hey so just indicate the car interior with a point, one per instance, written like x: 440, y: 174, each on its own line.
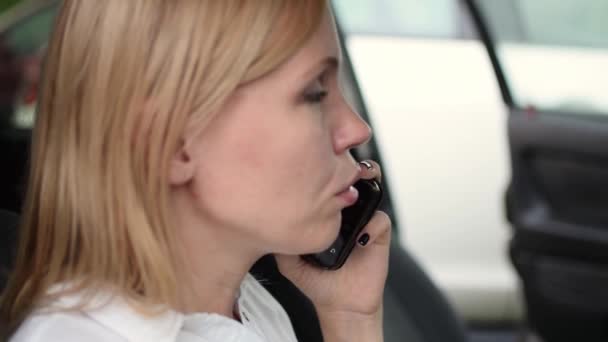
x: 555, y: 203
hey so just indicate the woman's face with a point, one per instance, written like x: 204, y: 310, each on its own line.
x: 271, y: 165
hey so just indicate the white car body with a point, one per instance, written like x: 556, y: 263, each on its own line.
x: 440, y: 125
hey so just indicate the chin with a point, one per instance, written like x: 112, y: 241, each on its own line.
x: 330, y: 234
x: 314, y: 241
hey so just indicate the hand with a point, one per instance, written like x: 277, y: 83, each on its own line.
x: 356, y: 288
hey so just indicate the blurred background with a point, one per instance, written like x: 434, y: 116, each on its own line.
x: 4, y: 5
x: 490, y: 117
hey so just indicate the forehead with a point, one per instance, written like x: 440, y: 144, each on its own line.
x: 322, y: 44
x: 325, y: 39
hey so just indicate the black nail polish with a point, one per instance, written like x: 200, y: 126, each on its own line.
x: 364, y: 239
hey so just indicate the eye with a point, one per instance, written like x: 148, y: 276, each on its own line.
x: 316, y: 92
x: 315, y: 96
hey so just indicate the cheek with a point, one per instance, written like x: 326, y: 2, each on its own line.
x: 269, y: 179
x: 288, y: 155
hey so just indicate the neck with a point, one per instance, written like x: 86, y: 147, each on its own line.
x: 215, y: 263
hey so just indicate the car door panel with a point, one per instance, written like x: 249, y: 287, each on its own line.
x: 560, y: 180
x: 557, y: 199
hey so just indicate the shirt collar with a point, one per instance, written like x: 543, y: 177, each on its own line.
x: 124, y: 320
x: 114, y: 313
x: 256, y: 305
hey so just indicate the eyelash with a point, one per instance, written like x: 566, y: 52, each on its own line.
x: 316, y: 96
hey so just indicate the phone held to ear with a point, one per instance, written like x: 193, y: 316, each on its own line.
x: 354, y: 219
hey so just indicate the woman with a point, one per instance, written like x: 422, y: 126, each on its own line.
x: 176, y: 143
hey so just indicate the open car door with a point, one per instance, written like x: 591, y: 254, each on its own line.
x: 551, y: 61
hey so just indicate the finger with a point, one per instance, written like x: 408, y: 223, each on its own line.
x: 377, y: 231
x: 371, y: 170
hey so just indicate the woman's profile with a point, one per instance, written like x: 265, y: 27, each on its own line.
x: 176, y: 142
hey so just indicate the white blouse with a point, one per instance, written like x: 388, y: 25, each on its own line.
x: 263, y: 320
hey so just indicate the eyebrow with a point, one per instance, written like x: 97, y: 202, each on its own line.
x: 329, y: 62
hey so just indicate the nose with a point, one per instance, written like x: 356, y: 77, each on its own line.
x: 351, y: 130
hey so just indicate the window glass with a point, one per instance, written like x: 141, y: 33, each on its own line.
x: 21, y: 53
x: 438, y: 119
x: 566, y: 22
x: 30, y: 34
x: 557, y: 58
x: 428, y: 18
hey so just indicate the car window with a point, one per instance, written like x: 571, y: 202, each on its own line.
x: 556, y: 24
x: 558, y: 57
x: 7, y: 4
x: 438, y: 120
x: 428, y: 18
x: 21, y: 52
x: 31, y: 33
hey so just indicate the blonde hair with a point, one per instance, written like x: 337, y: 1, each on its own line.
x: 123, y: 81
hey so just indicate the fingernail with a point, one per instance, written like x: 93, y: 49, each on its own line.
x: 367, y: 164
x: 364, y: 239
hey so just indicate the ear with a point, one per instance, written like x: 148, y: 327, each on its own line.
x: 182, y: 166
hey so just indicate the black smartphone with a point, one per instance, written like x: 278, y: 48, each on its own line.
x: 354, y: 219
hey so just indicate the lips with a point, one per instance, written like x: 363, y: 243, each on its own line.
x: 349, y: 196
x: 348, y: 192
